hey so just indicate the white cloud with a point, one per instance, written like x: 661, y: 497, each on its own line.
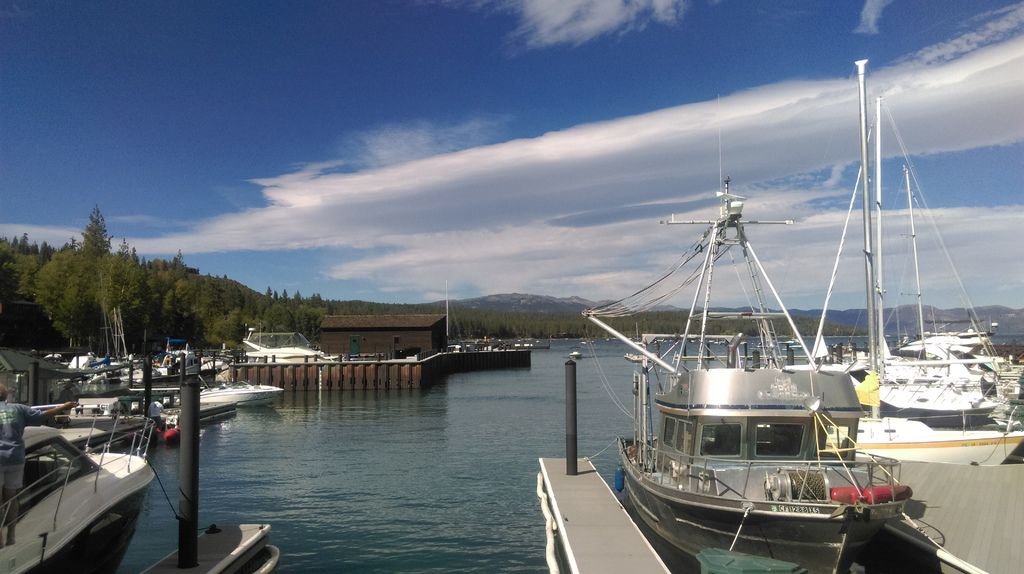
x: 574, y: 22
x: 573, y: 212
x: 870, y: 15
x: 401, y: 143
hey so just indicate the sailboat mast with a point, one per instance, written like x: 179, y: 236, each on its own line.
x: 869, y: 272
x: 879, y: 283
x: 917, y: 269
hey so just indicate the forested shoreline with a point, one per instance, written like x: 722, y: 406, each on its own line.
x: 79, y: 285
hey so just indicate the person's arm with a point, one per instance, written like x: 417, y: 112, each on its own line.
x: 59, y: 409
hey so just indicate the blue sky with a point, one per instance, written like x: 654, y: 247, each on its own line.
x: 379, y: 149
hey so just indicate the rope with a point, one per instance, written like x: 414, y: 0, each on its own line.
x: 600, y: 452
x: 168, y: 498
x: 649, y: 297
x: 606, y: 384
x: 746, y: 511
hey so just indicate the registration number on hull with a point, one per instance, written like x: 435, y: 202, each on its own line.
x: 797, y: 509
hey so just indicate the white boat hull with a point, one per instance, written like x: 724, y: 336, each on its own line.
x: 248, y: 395
x: 914, y: 441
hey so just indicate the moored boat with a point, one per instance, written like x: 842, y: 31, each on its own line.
x: 288, y: 347
x: 240, y: 393
x: 78, y: 510
x: 757, y: 457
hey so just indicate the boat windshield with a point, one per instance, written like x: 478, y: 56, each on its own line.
x: 278, y: 340
x: 48, y: 467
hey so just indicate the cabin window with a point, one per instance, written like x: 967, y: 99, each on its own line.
x: 668, y: 439
x: 835, y: 440
x: 778, y: 439
x: 721, y: 439
x: 48, y: 467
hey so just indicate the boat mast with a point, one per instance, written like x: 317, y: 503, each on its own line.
x: 869, y: 270
x: 917, y: 270
x: 879, y: 268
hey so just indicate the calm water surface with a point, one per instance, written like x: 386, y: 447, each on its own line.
x: 437, y: 480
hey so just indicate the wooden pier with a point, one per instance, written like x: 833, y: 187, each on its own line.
x: 589, y: 531
x: 375, y: 374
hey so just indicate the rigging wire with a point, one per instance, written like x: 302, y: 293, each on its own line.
x: 964, y: 297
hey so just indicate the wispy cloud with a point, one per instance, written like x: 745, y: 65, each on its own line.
x: 545, y: 23
x: 997, y: 26
x: 400, y: 143
x: 870, y: 15
x: 573, y: 212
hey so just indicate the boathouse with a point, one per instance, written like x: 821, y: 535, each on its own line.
x: 385, y: 336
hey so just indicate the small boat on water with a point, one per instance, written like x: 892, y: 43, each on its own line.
x: 759, y: 457
x: 241, y: 393
x: 575, y: 355
x: 78, y: 510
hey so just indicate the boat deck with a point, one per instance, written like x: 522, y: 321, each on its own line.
x: 594, y: 533
x: 235, y: 548
x: 975, y: 512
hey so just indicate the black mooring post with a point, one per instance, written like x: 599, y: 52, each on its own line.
x: 147, y: 383
x: 570, y: 418
x: 188, y: 494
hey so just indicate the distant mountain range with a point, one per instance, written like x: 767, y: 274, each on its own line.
x: 904, y: 320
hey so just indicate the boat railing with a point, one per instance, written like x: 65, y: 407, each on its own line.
x: 52, y: 469
x: 746, y: 479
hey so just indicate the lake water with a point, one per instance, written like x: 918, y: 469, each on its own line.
x: 436, y: 480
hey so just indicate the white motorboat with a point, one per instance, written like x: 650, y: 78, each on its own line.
x: 241, y: 393
x: 280, y: 348
x: 78, y: 510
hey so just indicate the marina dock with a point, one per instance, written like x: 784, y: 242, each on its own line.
x: 85, y: 429
x: 229, y: 549
x: 588, y: 530
x: 409, y: 373
x: 976, y: 513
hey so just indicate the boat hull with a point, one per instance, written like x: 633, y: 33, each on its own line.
x: 99, y: 547
x: 689, y: 523
x: 240, y: 397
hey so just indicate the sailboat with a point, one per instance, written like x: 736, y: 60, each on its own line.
x: 899, y: 436
x: 752, y: 456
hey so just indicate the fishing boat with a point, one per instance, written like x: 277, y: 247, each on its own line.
x: 78, y: 510
x: 242, y: 394
x: 752, y: 456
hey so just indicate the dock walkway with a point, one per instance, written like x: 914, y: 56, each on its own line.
x: 592, y: 530
x: 975, y: 512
